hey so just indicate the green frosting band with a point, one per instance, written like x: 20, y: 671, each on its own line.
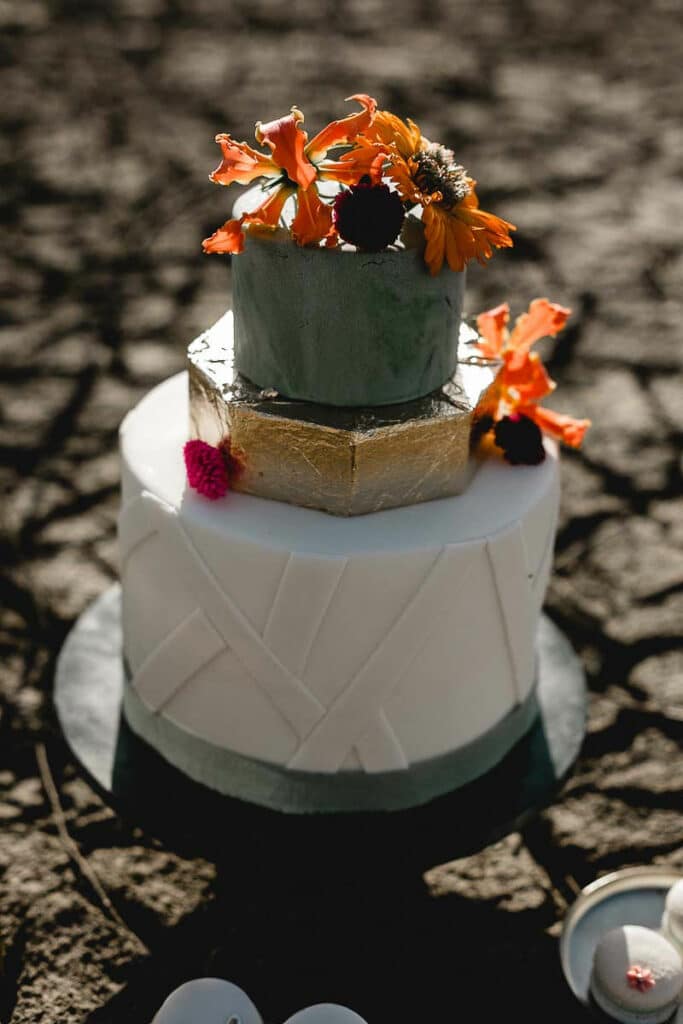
x: 306, y: 792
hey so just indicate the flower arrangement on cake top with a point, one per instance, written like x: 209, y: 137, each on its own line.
x: 384, y: 169
x: 365, y: 334
x: 510, y: 414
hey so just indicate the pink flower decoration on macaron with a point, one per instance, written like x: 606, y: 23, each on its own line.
x: 640, y: 978
x: 207, y: 470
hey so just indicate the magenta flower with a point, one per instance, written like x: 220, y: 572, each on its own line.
x: 207, y: 471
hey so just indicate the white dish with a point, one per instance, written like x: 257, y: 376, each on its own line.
x: 629, y: 896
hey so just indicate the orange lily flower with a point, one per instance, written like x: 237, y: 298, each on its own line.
x: 295, y: 165
x: 543, y: 320
x: 426, y: 174
x: 563, y: 428
x: 522, y: 381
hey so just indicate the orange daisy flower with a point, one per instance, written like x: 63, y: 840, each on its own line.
x: 426, y: 174
x: 522, y: 381
x: 295, y: 165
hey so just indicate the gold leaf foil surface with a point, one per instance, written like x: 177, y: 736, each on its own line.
x: 345, y: 461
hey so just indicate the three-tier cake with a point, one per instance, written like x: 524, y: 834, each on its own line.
x: 337, y: 526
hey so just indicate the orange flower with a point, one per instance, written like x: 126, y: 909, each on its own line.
x: 544, y: 319
x: 522, y: 381
x: 390, y: 130
x: 426, y: 174
x: 295, y: 165
x: 563, y: 428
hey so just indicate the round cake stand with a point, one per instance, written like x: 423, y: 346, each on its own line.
x: 148, y: 791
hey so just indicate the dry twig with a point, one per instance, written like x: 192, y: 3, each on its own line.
x: 72, y: 848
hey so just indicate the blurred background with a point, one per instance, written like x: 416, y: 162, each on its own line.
x: 570, y: 117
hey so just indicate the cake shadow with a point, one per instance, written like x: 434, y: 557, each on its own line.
x: 195, y: 819
x: 150, y: 792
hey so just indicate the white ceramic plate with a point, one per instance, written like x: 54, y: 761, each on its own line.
x: 630, y: 896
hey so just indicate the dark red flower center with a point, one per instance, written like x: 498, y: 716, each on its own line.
x: 521, y: 440
x: 368, y: 216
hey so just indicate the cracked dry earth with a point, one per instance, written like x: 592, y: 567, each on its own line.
x: 571, y: 119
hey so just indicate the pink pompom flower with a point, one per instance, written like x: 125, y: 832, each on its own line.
x: 207, y: 470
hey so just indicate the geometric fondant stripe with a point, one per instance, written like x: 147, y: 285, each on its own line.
x: 177, y: 659
x: 303, y: 595
x: 346, y: 720
x: 507, y: 557
x: 134, y: 527
x: 380, y: 746
x: 289, y: 695
x: 318, y: 618
x: 273, y: 610
x: 538, y: 583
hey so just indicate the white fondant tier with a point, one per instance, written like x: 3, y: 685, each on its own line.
x: 321, y: 644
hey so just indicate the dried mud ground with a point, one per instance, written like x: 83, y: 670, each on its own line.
x: 570, y: 117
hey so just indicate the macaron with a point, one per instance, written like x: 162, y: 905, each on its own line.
x: 672, y: 921
x: 637, y: 975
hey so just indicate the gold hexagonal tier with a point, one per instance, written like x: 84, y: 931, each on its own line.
x: 343, y: 461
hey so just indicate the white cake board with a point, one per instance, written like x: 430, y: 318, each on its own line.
x: 139, y: 783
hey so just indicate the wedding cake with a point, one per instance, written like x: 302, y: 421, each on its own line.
x: 337, y: 526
